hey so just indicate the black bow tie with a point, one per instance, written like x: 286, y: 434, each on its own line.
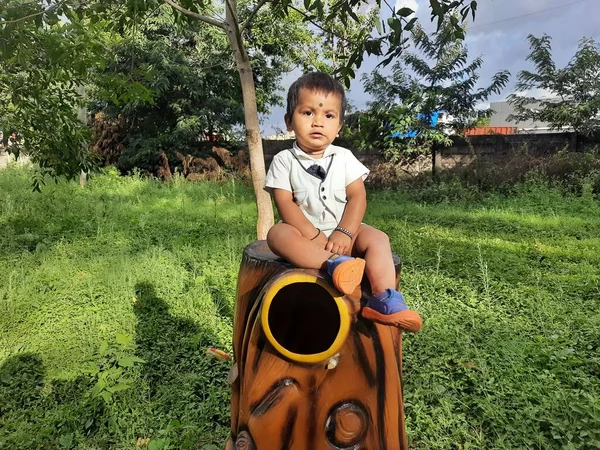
x: 317, y: 171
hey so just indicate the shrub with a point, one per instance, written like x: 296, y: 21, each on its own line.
x: 575, y: 172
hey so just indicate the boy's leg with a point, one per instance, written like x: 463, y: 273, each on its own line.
x: 374, y: 247
x: 386, y: 305
x: 286, y: 241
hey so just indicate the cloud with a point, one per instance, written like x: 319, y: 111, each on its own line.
x: 538, y: 93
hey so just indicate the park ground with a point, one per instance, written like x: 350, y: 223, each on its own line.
x: 110, y: 295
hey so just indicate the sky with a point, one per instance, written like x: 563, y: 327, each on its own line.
x: 499, y: 35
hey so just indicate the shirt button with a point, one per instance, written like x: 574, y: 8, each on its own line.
x: 322, y: 189
x: 324, y: 197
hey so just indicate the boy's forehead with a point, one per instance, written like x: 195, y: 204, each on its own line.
x: 308, y: 94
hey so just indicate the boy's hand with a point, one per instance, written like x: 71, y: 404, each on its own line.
x: 339, y: 243
x: 321, y: 240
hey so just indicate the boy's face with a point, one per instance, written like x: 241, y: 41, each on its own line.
x: 316, y: 120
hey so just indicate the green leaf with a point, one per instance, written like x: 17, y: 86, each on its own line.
x: 158, y: 444
x: 352, y: 14
x: 404, y: 12
x: 104, y: 348
x: 316, y: 4
x: 386, y: 61
x: 123, y: 339
x: 113, y: 373
x: 118, y: 387
x: 395, y: 25
x: 436, y: 8
x: 411, y: 24
x: 66, y: 440
x: 173, y: 424
x: 106, y: 396
x: 128, y: 361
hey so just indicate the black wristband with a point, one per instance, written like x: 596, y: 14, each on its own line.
x: 345, y: 231
x: 318, y: 234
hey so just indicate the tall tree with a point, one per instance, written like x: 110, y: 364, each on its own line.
x: 574, y: 89
x: 193, y: 85
x: 437, y: 77
x: 236, y: 20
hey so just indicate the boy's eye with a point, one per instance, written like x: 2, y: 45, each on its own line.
x: 307, y: 113
x: 330, y: 116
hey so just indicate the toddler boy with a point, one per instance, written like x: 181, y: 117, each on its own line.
x: 320, y: 195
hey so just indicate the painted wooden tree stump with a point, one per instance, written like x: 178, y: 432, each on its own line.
x: 310, y: 373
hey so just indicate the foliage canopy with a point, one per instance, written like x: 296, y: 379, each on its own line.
x: 436, y: 77
x: 238, y: 21
x: 574, y: 90
x: 39, y: 80
x: 194, y: 92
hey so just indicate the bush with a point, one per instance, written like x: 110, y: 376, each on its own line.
x: 574, y: 172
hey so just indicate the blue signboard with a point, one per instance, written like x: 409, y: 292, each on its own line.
x: 413, y: 133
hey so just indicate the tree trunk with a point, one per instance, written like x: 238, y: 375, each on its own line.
x: 253, y: 138
x: 82, y: 116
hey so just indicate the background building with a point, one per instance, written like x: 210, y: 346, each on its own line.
x: 499, y: 118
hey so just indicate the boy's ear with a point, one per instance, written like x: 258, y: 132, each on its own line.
x: 288, y: 122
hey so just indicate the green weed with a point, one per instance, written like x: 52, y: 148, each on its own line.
x: 508, y: 287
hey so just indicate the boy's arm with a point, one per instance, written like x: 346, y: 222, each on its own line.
x: 352, y: 218
x: 291, y: 214
x: 355, y: 207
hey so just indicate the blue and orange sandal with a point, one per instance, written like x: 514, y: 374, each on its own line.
x: 346, y: 273
x: 389, y: 308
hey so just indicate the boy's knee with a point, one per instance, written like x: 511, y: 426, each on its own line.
x: 275, y: 235
x: 382, y: 237
x: 272, y: 235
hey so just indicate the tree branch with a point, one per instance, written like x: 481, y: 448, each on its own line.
x: 316, y: 24
x: 232, y: 22
x: 389, y: 6
x: 253, y: 14
x: 192, y: 14
x: 39, y: 13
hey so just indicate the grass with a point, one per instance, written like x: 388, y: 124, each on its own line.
x: 110, y: 295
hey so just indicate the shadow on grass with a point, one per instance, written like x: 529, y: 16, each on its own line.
x: 180, y: 395
x: 38, y: 414
x: 185, y: 386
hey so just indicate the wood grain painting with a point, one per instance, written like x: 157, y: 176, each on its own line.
x: 350, y: 400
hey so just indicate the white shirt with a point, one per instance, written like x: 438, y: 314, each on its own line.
x: 285, y: 173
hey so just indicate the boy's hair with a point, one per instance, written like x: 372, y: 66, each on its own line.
x: 316, y: 82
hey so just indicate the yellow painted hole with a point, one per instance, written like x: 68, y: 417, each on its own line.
x: 304, y: 318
